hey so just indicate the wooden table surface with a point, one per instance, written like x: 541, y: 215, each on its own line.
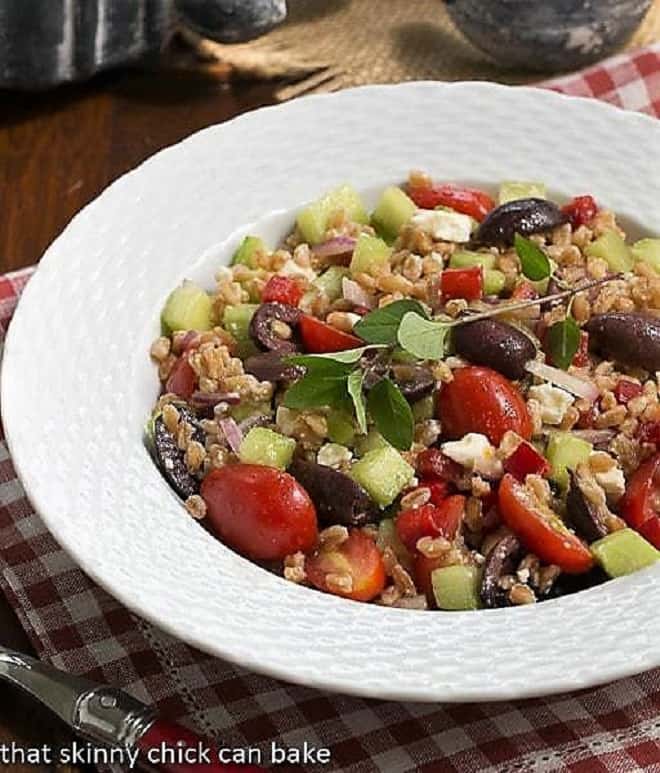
x: 58, y: 151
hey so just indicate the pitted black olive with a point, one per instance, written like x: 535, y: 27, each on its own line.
x: 496, y: 345
x: 338, y: 499
x: 523, y: 216
x: 170, y: 457
x: 270, y: 366
x: 629, y: 339
x: 502, y: 559
x: 264, y: 323
x: 583, y: 513
x: 414, y: 381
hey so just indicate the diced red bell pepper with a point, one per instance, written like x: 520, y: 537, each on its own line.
x: 467, y: 283
x: 467, y: 201
x: 282, y: 289
x: 581, y: 357
x: 649, y: 432
x: 439, y: 489
x: 581, y: 210
x: 526, y: 460
x: 433, y: 464
x: 319, y: 337
x: 430, y: 521
x: 626, y: 390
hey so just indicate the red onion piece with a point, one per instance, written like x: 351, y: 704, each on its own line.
x: 211, y: 399
x: 232, y: 433
x: 356, y: 295
x: 340, y: 245
x: 576, y: 386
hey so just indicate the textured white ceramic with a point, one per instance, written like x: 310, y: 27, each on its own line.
x: 77, y: 385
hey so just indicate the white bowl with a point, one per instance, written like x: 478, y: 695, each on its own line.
x: 77, y: 385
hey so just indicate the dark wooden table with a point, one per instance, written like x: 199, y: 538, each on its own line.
x: 57, y: 152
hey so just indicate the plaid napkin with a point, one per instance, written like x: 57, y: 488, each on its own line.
x: 77, y: 626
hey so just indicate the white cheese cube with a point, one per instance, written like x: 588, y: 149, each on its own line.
x: 291, y: 268
x: 444, y: 226
x: 554, y: 402
x: 475, y: 453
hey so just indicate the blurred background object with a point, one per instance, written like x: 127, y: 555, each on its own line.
x: 552, y: 35
x: 48, y: 42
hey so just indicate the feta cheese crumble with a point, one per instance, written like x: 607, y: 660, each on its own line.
x: 554, y: 402
x: 475, y: 453
x: 444, y: 226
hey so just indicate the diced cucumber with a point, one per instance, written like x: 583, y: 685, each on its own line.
x: 369, y: 252
x: 369, y: 442
x: 424, y: 409
x: 383, y: 473
x: 236, y: 320
x: 518, y: 189
x: 188, y: 307
x: 330, y: 282
x: 263, y: 446
x: 648, y: 251
x: 456, y: 587
x: 313, y: 220
x: 611, y: 248
x: 244, y: 410
x: 624, y: 552
x: 245, y: 254
x: 389, y: 537
x: 565, y: 452
x: 341, y: 428
x: 468, y: 259
x: 494, y: 281
x: 394, y: 209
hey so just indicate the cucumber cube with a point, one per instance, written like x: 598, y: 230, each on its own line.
x: 313, y: 220
x: 516, y: 189
x: 236, y: 320
x: 456, y: 587
x: 330, y: 282
x: 494, y: 281
x: 369, y: 252
x: 624, y: 552
x: 245, y: 254
x: 341, y: 428
x: 369, y: 442
x: 268, y: 448
x: 246, y: 409
x: 648, y: 251
x: 611, y: 248
x: 565, y: 452
x: 468, y: 259
x: 389, y: 537
x: 383, y: 473
x: 188, y: 307
x: 394, y: 210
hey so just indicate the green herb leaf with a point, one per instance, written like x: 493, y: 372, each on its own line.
x: 563, y: 342
x: 316, y: 390
x: 354, y: 385
x: 391, y: 414
x: 347, y: 357
x: 422, y: 337
x: 534, y: 262
x: 322, y: 367
x: 380, y: 326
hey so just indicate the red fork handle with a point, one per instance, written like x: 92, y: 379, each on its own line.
x: 163, y: 739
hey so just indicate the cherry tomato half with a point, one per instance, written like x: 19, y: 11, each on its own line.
x: 357, y: 558
x: 319, y: 337
x: 467, y: 201
x: 182, y: 380
x: 481, y: 400
x: 282, y: 289
x: 581, y: 210
x: 640, y: 505
x: 541, y: 531
x: 261, y: 512
x: 430, y: 521
x: 423, y: 569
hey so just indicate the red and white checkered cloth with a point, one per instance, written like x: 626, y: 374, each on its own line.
x: 77, y: 626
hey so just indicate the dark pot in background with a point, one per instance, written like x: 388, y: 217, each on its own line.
x: 548, y: 35
x: 46, y: 42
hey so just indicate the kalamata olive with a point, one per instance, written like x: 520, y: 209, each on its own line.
x: 501, y: 560
x: 496, y: 345
x: 270, y: 366
x: 414, y: 381
x: 263, y: 327
x: 584, y: 513
x: 170, y: 457
x: 338, y: 499
x: 523, y: 216
x: 628, y: 338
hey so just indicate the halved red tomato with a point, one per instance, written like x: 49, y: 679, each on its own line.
x: 640, y: 505
x: 540, y: 529
x: 319, y: 337
x: 430, y: 521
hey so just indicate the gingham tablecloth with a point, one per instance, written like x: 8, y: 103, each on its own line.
x: 77, y: 626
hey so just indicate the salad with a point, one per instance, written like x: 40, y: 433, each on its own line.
x: 449, y: 403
